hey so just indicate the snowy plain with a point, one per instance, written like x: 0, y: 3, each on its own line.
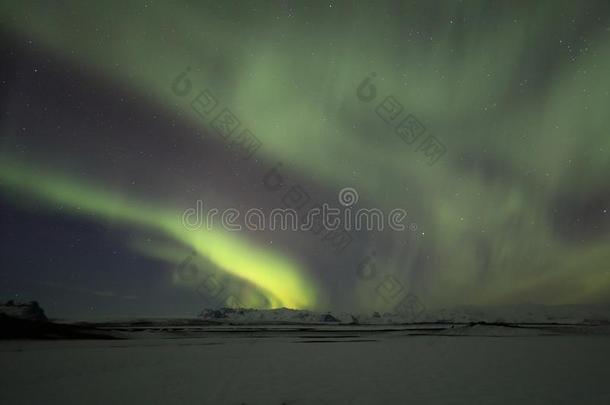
x: 313, y: 364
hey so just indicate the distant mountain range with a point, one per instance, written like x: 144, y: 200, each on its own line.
x: 31, y: 312
x: 566, y: 314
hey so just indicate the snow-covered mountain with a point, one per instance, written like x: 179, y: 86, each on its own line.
x: 281, y: 315
x: 30, y: 311
x: 499, y: 314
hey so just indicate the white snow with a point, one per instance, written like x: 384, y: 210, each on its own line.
x: 499, y: 314
x: 315, y: 369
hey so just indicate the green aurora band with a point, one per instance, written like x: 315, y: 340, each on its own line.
x: 279, y: 280
x: 293, y: 81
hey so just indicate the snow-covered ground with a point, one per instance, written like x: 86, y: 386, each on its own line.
x: 503, y: 355
x: 480, y: 364
x: 416, y: 313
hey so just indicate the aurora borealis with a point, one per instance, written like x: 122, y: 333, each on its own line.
x: 99, y: 157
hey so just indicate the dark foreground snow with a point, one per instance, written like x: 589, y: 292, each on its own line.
x: 317, y: 365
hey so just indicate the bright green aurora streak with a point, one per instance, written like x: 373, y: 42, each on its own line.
x: 523, y: 115
x: 282, y: 283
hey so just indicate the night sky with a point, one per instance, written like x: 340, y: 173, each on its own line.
x: 109, y: 131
